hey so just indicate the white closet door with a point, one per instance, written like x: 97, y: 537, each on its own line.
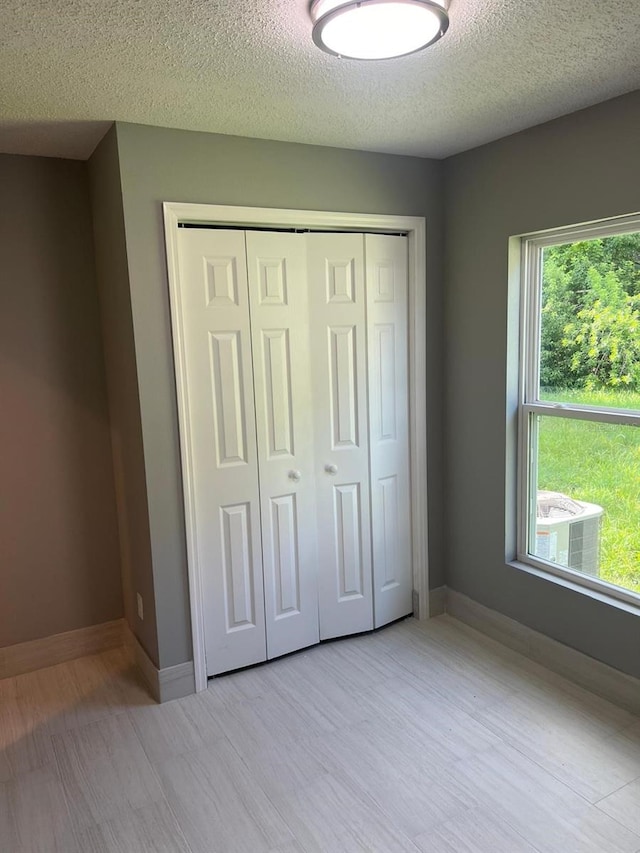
x: 284, y: 419
x: 335, y: 264
x: 222, y: 440
x: 387, y: 284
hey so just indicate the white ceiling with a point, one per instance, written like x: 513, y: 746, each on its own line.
x: 68, y: 67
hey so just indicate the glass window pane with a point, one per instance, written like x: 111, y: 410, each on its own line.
x: 585, y: 512
x: 590, y: 323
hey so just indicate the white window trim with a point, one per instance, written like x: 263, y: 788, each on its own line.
x: 415, y: 228
x: 530, y: 405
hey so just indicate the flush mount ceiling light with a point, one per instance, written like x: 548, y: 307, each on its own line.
x: 377, y: 29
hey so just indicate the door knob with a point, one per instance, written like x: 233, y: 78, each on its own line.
x: 331, y: 469
x: 295, y: 476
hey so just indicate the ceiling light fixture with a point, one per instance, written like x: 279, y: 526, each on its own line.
x: 377, y: 29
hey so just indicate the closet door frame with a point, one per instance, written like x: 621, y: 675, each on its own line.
x: 176, y: 214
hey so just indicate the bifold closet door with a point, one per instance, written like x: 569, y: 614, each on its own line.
x: 221, y: 439
x: 335, y: 264
x: 284, y: 418
x: 297, y: 431
x: 387, y: 324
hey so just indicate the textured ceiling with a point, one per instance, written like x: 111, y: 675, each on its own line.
x: 250, y: 68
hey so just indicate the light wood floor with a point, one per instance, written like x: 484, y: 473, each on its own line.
x: 418, y: 738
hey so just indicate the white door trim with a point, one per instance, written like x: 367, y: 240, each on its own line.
x: 415, y: 228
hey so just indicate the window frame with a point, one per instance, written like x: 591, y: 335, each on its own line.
x: 530, y: 405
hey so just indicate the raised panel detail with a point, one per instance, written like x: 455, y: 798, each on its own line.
x: 221, y: 281
x: 389, y: 552
x: 344, y: 392
x: 277, y: 389
x: 228, y: 398
x: 348, y: 531
x: 284, y: 531
x: 237, y: 560
x: 272, y: 275
x: 383, y: 281
x: 384, y: 371
x: 340, y: 281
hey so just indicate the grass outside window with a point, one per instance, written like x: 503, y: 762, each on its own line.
x: 599, y: 464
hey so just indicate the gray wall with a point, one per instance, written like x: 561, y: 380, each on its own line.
x: 124, y: 403
x: 578, y: 168
x: 59, y: 562
x: 168, y: 165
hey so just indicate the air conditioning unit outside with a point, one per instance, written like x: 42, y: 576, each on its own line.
x: 568, y: 532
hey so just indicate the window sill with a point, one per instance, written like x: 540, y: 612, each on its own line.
x: 567, y: 580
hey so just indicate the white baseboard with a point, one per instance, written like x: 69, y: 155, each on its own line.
x: 437, y: 601
x: 592, y: 674
x: 172, y: 682
x: 59, y: 648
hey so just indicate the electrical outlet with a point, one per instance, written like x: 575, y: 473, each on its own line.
x: 140, y: 606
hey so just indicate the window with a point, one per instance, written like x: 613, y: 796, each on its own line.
x: 579, y: 475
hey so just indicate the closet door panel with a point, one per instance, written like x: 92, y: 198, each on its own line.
x: 335, y: 265
x: 284, y: 418
x: 222, y: 441
x: 387, y: 284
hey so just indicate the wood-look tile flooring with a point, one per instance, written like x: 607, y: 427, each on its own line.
x: 421, y: 737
